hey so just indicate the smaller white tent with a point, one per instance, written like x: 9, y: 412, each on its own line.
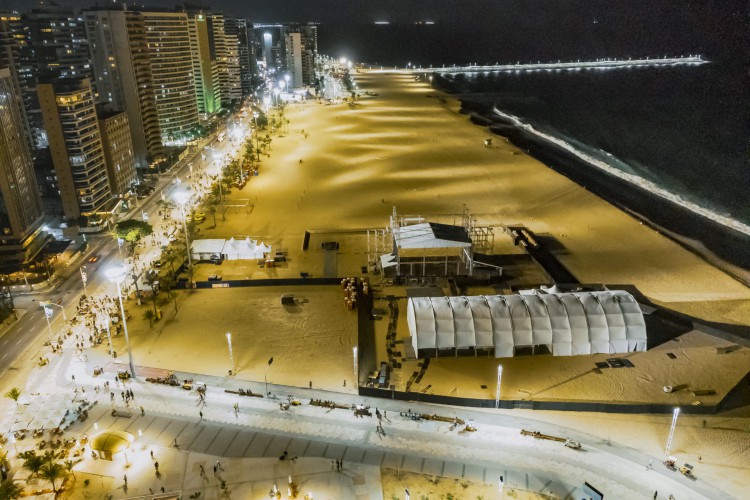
x: 246, y: 249
x: 232, y: 249
x: 206, y: 249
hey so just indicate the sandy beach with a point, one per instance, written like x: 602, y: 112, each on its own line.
x: 406, y: 148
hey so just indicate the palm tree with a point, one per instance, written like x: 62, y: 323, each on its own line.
x: 34, y: 463
x: 52, y: 471
x: 69, y: 464
x: 13, y: 394
x: 10, y: 490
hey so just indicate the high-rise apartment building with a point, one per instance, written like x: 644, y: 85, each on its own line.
x: 20, y: 205
x: 122, y: 66
x: 168, y: 41
x: 57, y: 48
x: 227, y: 56
x: 205, y: 66
x: 118, y: 150
x: 49, y: 42
x: 12, y: 39
x: 238, y: 33
x: 301, y: 46
x: 75, y: 145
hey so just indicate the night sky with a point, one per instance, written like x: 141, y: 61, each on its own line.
x: 481, y: 12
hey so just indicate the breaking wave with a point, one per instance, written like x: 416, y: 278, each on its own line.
x: 626, y: 176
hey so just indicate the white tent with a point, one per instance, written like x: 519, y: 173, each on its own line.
x: 565, y: 323
x: 206, y: 249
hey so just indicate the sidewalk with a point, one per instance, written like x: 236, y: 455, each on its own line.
x: 262, y: 430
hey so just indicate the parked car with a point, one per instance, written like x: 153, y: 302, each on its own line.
x: 214, y: 277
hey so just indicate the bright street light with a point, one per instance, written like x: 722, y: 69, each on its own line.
x: 48, y: 303
x: 265, y: 375
x: 675, y: 414
x: 231, y: 356
x: 117, y: 274
x: 499, y: 377
x: 182, y: 197
x: 356, y: 373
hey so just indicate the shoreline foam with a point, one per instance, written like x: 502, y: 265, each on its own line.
x: 718, y: 244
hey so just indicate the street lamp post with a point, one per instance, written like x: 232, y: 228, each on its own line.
x: 84, y: 278
x: 117, y: 274
x: 45, y: 304
x: 356, y: 372
x: 109, y: 337
x: 671, y: 432
x: 265, y: 375
x: 231, y: 356
x: 47, y: 314
x: 497, y: 394
x: 182, y: 197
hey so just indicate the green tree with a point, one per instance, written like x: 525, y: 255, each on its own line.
x: 169, y: 257
x: 168, y: 283
x: 10, y: 490
x: 153, y: 282
x: 52, y: 471
x: 69, y: 464
x: 132, y: 230
x: 33, y: 463
x: 149, y: 315
x: 13, y: 394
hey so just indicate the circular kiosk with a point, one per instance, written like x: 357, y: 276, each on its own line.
x: 108, y: 443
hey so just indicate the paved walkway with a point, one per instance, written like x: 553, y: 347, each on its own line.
x: 261, y: 431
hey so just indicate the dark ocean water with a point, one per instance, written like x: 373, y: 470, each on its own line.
x: 685, y: 128
x: 682, y: 127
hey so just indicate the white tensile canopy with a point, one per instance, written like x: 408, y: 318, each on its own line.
x: 232, y: 249
x: 566, y: 323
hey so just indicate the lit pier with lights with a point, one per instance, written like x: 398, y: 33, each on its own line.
x: 599, y: 64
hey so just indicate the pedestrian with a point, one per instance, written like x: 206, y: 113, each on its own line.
x: 344, y: 382
x: 311, y: 384
x: 218, y: 464
x: 201, y: 414
x: 152, y: 454
x: 112, y: 396
x: 203, y: 471
x: 215, y: 469
x: 74, y: 379
x: 162, y: 489
x: 332, y: 464
x: 175, y: 443
x: 143, y: 412
x: 125, y: 479
x: 656, y: 493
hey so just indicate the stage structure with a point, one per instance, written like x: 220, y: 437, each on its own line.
x: 563, y: 324
x: 422, y: 248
